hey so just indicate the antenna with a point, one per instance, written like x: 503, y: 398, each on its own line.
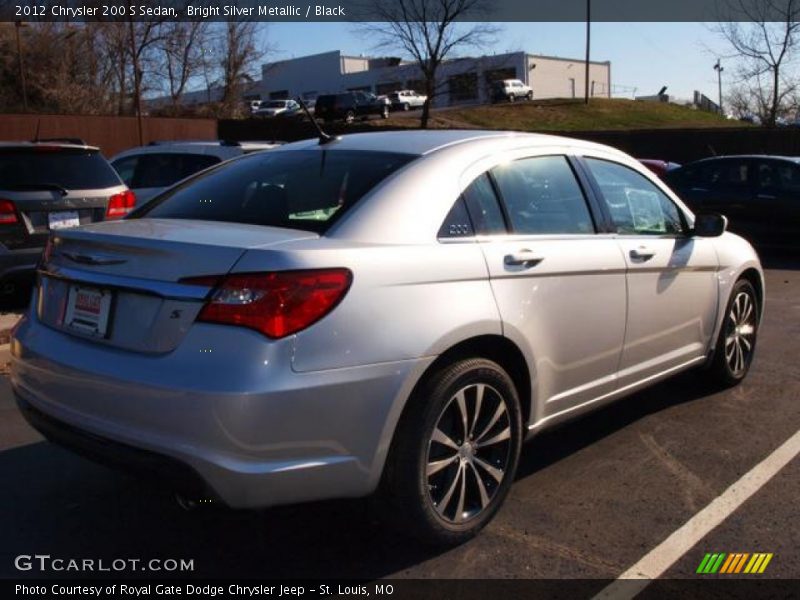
x: 324, y: 138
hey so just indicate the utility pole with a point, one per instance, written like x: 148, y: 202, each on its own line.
x: 588, y: 39
x: 719, y: 69
x: 17, y: 26
x: 137, y: 84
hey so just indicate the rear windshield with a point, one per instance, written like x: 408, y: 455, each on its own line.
x: 303, y: 189
x: 160, y: 170
x: 71, y: 169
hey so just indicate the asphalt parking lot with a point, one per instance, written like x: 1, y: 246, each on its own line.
x: 591, y: 498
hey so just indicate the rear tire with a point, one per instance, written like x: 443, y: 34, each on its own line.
x: 736, y: 343
x: 454, y: 454
x: 529, y: 97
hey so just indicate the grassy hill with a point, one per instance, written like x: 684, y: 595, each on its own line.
x: 567, y: 115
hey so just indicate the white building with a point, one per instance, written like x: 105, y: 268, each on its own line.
x: 464, y: 80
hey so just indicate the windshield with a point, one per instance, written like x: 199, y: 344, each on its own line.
x: 66, y: 168
x: 275, y: 104
x: 302, y: 189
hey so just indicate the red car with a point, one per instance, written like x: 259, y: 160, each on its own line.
x: 659, y: 167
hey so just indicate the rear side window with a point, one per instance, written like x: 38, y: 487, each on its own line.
x: 483, y: 207
x: 636, y: 205
x: 542, y: 196
x: 301, y: 189
x: 457, y: 224
x: 160, y: 170
x: 72, y: 169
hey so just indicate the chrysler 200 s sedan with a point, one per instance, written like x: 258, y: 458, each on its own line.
x: 392, y: 312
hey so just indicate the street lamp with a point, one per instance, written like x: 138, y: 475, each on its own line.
x: 588, y: 38
x: 719, y: 69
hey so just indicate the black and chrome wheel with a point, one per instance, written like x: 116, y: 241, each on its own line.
x: 468, y: 452
x: 385, y: 112
x: 455, y: 452
x: 349, y: 117
x: 511, y: 97
x: 737, y: 338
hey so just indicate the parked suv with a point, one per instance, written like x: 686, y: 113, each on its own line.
x: 406, y: 100
x: 46, y: 186
x: 511, y: 90
x: 350, y: 105
x: 147, y: 170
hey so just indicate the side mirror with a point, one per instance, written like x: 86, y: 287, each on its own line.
x: 709, y: 224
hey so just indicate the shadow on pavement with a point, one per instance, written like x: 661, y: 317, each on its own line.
x: 63, y: 505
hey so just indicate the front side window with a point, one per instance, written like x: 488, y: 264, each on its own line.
x: 636, y: 205
x: 542, y: 196
x: 300, y: 189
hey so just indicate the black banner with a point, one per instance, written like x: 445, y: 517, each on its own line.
x: 732, y: 587
x: 370, y: 10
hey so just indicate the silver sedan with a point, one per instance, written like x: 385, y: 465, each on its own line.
x: 385, y: 312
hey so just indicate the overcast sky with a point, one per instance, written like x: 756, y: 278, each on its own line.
x: 645, y: 56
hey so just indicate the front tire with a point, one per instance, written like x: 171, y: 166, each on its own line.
x: 736, y: 344
x: 455, y: 453
x: 511, y: 98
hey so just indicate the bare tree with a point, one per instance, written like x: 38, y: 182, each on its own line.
x: 239, y: 51
x: 182, y: 57
x: 430, y: 31
x: 764, y: 39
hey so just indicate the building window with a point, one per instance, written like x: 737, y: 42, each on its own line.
x: 464, y: 87
x: 279, y: 95
x: 418, y: 85
x: 388, y: 88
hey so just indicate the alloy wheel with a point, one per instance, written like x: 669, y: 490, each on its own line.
x: 740, y: 333
x: 468, y: 453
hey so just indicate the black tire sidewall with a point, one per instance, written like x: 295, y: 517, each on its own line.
x: 407, y: 482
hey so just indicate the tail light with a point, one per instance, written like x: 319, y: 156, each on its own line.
x: 8, y: 212
x: 120, y: 205
x: 275, y: 304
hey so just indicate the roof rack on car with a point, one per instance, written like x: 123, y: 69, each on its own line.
x: 63, y: 140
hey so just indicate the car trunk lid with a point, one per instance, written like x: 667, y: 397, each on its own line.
x: 123, y: 279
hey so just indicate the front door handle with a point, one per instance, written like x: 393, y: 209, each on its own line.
x: 524, y: 258
x: 642, y: 253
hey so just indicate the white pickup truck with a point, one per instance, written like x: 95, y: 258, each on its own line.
x: 406, y: 100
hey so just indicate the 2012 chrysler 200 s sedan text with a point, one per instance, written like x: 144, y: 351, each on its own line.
x: 391, y: 312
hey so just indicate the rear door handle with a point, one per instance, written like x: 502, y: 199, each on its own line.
x: 642, y: 253
x: 524, y: 258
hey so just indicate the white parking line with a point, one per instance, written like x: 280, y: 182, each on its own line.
x: 653, y: 564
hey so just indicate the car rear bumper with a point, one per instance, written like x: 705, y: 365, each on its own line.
x: 299, y: 437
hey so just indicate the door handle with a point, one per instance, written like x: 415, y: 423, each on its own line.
x: 524, y: 258
x: 642, y: 253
